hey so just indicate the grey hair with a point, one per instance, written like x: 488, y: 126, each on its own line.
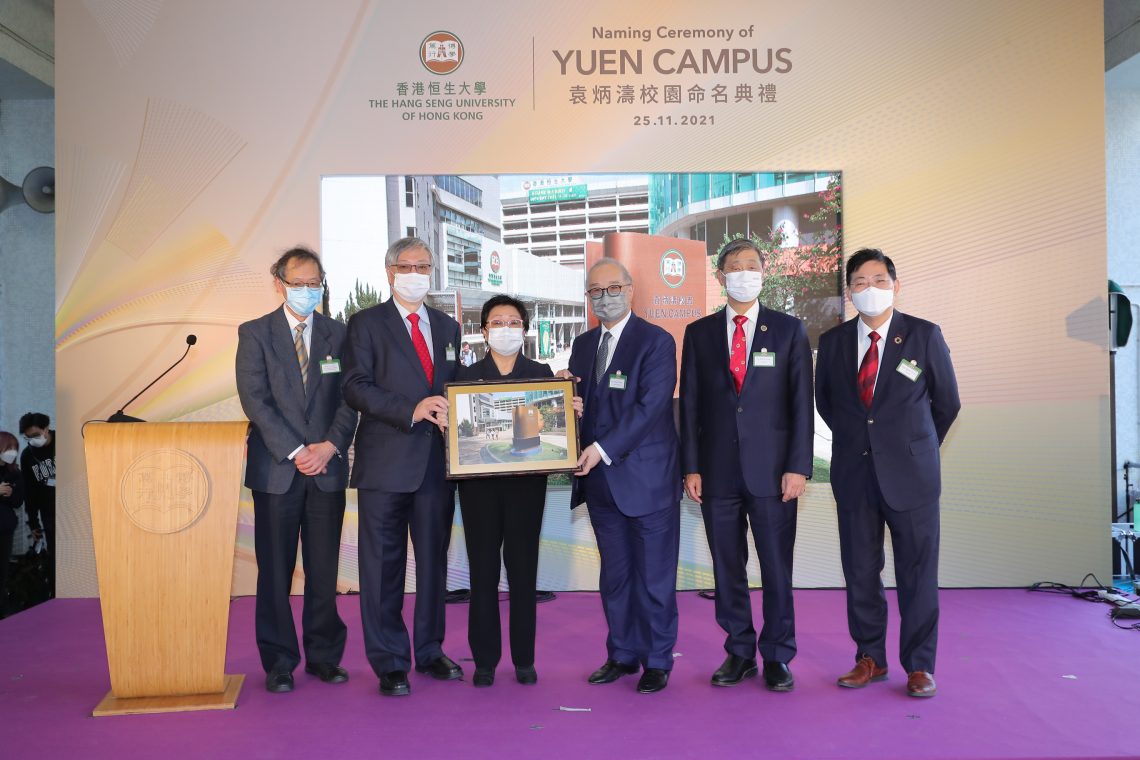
x: 613, y: 263
x: 297, y: 253
x: 405, y: 244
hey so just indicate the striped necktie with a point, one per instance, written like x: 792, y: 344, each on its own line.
x: 302, y: 354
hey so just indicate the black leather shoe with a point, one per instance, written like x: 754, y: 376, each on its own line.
x: 653, y: 679
x: 395, y: 684
x: 777, y: 677
x: 279, y: 682
x: 483, y: 677
x: 442, y: 668
x: 526, y: 676
x: 327, y: 672
x: 612, y: 671
x: 734, y: 670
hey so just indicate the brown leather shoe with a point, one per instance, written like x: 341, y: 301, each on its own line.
x: 920, y: 684
x: 864, y: 672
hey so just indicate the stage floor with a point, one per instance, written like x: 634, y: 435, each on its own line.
x: 1020, y: 675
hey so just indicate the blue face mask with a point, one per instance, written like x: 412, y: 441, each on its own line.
x: 303, y: 300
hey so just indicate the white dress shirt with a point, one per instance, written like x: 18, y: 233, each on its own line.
x: 425, y: 330
x: 749, y: 326
x: 615, y: 336
x: 425, y: 324
x: 864, y: 333
x: 307, y: 335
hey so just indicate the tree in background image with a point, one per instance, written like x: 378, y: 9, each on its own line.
x: 805, y: 280
x: 361, y: 297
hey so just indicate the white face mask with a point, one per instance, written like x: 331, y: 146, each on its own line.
x: 8, y: 456
x: 412, y: 286
x: 872, y: 301
x: 743, y: 286
x: 38, y: 441
x: 505, y: 341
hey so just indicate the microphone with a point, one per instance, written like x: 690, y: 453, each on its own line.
x: 120, y: 417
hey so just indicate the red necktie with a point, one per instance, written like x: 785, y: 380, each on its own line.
x: 421, y: 347
x: 868, y: 369
x: 737, y: 363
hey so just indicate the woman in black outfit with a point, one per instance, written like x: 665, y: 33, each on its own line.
x: 503, y: 513
x: 11, y: 496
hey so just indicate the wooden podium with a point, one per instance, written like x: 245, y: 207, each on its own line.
x: 164, y: 502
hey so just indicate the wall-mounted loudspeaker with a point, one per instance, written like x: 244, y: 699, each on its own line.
x: 38, y: 191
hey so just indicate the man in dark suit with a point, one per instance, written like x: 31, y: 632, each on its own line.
x: 399, y: 356
x: 886, y: 388
x: 630, y: 477
x: 288, y: 380
x: 746, y: 450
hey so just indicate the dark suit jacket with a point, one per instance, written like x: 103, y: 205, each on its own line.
x: 634, y: 426
x: 907, y: 421
x: 384, y: 381
x: 282, y: 413
x: 764, y: 431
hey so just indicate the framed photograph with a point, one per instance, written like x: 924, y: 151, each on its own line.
x: 511, y: 427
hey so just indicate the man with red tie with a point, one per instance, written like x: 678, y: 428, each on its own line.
x: 886, y: 388
x: 398, y: 357
x: 746, y: 449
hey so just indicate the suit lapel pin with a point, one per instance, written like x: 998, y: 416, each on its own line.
x: 763, y: 328
x: 898, y: 340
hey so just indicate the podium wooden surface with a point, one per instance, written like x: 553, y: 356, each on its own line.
x: 164, y: 501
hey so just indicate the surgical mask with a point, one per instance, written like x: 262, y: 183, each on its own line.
x: 302, y: 301
x: 505, y: 341
x: 873, y: 301
x: 743, y: 286
x: 8, y: 456
x: 412, y: 286
x: 38, y: 441
x: 609, y: 308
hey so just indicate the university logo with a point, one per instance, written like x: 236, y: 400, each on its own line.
x: 672, y: 268
x: 441, y: 52
x: 495, y: 264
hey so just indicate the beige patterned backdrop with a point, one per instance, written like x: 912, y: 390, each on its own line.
x: 192, y: 136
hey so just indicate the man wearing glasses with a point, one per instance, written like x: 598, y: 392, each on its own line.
x: 399, y: 355
x: 630, y: 477
x: 288, y: 381
x: 885, y: 386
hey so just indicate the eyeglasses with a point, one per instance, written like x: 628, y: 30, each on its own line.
x: 409, y: 268
x: 883, y: 282
x: 514, y: 323
x: 613, y: 290
x: 309, y: 284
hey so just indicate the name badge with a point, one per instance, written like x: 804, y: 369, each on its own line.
x: 909, y: 369
x: 330, y: 366
x: 764, y: 358
x: 451, y: 353
x: 618, y: 381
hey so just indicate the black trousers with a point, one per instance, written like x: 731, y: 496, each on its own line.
x: 727, y: 516
x: 316, y: 516
x: 6, y: 537
x: 915, y: 539
x: 386, y: 518
x: 502, y: 520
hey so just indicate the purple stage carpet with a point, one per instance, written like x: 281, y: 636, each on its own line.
x: 1020, y: 675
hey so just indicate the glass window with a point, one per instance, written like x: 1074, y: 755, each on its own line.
x: 721, y: 185
x: 700, y: 187
x: 409, y: 192
x: 745, y: 182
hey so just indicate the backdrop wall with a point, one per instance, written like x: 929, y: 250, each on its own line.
x: 192, y: 137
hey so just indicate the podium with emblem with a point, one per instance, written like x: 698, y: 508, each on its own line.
x: 164, y: 501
